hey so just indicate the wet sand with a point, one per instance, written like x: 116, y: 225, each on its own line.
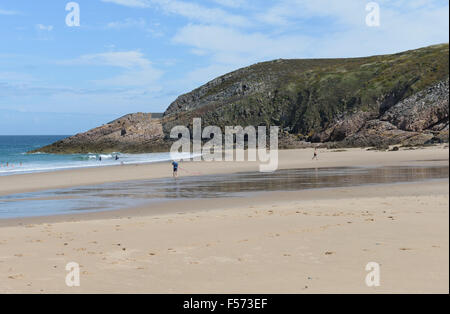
x: 288, y: 159
x: 310, y: 241
x: 124, y: 195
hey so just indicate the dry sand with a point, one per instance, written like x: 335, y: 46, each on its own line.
x: 278, y: 242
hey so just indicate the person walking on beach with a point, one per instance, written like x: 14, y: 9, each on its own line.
x: 175, y: 169
x: 316, y: 155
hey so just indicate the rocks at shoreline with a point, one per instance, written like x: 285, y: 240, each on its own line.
x: 132, y: 133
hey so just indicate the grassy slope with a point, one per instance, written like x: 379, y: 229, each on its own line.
x: 305, y: 95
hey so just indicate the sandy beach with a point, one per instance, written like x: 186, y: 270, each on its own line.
x: 310, y: 241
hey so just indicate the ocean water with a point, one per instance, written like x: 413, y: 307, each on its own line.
x: 15, y: 160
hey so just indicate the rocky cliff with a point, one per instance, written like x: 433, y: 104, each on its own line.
x: 132, y: 133
x: 378, y: 100
x: 419, y: 119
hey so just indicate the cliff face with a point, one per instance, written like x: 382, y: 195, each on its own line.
x: 418, y: 119
x: 391, y: 99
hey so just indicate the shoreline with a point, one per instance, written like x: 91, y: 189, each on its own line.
x: 288, y: 159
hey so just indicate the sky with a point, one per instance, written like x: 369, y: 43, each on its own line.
x: 58, y: 77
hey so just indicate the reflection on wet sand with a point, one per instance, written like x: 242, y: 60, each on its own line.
x: 127, y: 194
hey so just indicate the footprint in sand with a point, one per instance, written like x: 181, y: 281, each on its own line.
x: 18, y: 276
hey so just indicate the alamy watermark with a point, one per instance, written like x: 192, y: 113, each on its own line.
x: 229, y: 146
x: 373, y: 18
x: 73, y: 276
x: 374, y: 275
x: 73, y: 17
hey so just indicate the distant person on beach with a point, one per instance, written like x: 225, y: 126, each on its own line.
x: 117, y: 157
x: 100, y: 158
x: 175, y: 169
x: 316, y: 155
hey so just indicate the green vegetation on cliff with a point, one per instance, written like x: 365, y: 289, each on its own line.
x: 304, y: 96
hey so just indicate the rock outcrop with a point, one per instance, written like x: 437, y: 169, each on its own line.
x: 419, y: 119
x: 130, y: 134
x: 421, y: 111
x: 376, y: 133
x: 379, y: 100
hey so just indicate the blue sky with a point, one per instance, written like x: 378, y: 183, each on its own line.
x: 139, y: 55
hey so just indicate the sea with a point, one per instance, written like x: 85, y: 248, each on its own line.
x: 15, y: 159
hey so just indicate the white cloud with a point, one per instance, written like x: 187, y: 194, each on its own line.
x: 127, y: 23
x: 16, y: 78
x: 139, y: 23
x: 8, y: 12
x: 42, y: 27
x: 231, y: 46
x: 130, y: 3
x: 146, y: 77
x: 200, y: 13
x: 232, y: 3
x: 189, y: 10
x: 138, y: 71
x: 121, y: 59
